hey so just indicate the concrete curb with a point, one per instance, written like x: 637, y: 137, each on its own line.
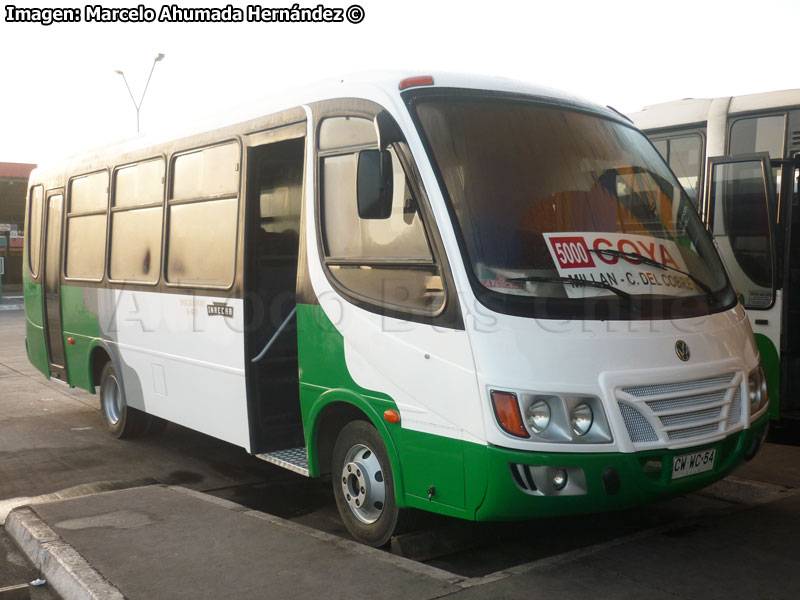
x: 65, y: 570
x: 346, y: 545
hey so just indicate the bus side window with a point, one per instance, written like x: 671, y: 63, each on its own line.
x: 86, y: 226
x: 202, y: 218
x: 34, y: 233
x: 387, y: 262
x: 137, y: 212
x: 760, y: 134
x: 684, y: 153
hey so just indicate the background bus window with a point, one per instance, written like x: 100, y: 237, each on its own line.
x: 684, y: 154
x: 741, y: 228
x: 203, y: 215
x: 136, y: 219
x: 86, y: 226
x: 760, y: 134
x: 34, y: 233
x: 370, y: 257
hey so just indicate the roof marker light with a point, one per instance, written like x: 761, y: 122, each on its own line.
x: 415, y: 81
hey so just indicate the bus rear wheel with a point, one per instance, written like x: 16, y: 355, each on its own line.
x: 122, y: 420
x: 363, y: 484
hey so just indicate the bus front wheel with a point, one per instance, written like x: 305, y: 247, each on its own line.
x: 363, y: 485
x: 122, y: 421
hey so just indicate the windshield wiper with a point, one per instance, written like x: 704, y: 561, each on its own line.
x: 653, y: 263
x: 580, y: 283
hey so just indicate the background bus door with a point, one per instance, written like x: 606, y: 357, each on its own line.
x: 52, y: 284
x: 741, y: 215
x: 790, y: 342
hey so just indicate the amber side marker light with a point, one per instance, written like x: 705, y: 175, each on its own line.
x: 416, y: 81
x: 392, y: 416
x: 70, y: 340
x: 506, y: 408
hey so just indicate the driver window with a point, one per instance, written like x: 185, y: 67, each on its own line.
x: 384, y: 262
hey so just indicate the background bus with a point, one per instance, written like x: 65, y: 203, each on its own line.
x: 719, y: 149
x: 433, y: 290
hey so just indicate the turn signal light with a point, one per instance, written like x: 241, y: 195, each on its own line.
x: 392, y: 416
x: 415, y: 81
x: 506, y: 408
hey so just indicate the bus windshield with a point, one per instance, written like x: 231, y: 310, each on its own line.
x: 565, y: 213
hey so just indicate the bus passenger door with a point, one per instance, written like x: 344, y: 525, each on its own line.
x: 742, y: 211
x: 52, y: 282
x: 274, y: 184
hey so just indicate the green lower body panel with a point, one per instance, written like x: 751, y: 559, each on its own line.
x: 34, y: 328
x: 642, y: 476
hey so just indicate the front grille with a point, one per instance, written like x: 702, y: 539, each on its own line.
x: 686, y: 403
x: 692, y: 417
x: 735, y: 414
x: 638, y: 428
x: 663, y: 389
x: 682, y: 410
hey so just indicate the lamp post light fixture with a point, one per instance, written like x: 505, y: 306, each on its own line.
x: 138, y: 106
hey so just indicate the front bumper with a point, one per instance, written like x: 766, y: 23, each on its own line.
x: 641, y: 477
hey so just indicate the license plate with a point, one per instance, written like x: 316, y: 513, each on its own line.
x: 691, y: 464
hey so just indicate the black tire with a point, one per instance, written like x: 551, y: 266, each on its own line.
x: 358, y: 445
x: 122, y: 420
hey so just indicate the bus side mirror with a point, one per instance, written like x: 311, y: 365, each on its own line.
x: 374, y: 184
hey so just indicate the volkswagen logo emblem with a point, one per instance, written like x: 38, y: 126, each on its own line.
x: 682, y: 350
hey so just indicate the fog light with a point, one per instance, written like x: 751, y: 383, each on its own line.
x: 581, y: 419
x: 538, y: 416
x: 560, y: 479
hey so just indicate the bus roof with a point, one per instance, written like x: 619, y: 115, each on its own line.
x: 381, y: 87
x: 695, y: 110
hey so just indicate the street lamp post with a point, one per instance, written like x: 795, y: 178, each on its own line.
x: 138, y: 106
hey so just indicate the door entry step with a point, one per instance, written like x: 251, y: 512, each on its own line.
x: 294, y: 459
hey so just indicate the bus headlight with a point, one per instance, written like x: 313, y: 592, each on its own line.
x: 757, y: 390
x: 581, y: 418
x: 538, y: 416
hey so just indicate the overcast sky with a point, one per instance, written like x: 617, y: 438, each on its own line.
x: 60, y: 94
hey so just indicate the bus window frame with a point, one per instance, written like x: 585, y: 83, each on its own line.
x: 448, y: 316
x: 34, y: 276
x: 765, y: 160
x: 168, y: 202
x: 668, y: 135
x: 112, y: 209
x: 735, y: 118
x: 68, y: 214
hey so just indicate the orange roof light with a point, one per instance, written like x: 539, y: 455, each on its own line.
x: 415, y: 81
x: 506, y: 408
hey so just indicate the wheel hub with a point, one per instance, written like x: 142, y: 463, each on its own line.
x: 112, y: 400
x: 362, y: 482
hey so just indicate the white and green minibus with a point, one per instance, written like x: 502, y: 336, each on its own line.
x: 464, y: 295
x: 739, y: 160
